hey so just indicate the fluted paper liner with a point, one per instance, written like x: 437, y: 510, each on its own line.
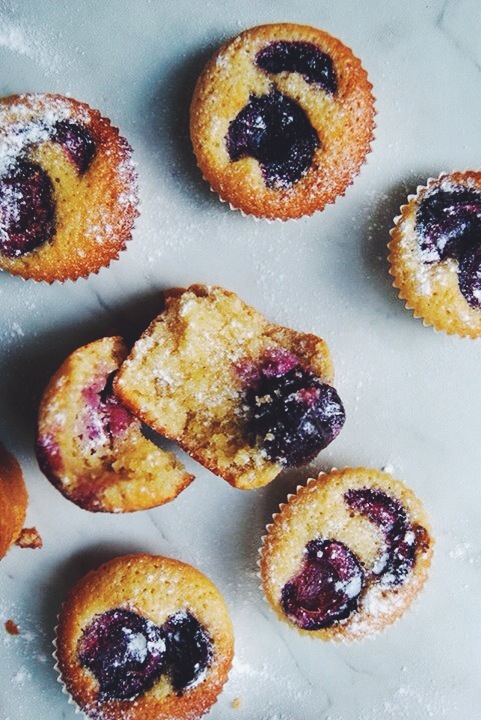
x: 431, y: 290
x: 97, y: 220
x: 345, y: 135
x: 166, y: 705
x: 378, y: 606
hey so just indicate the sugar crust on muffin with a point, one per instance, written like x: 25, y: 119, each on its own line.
x: 315, y: 95
x: 68, y: 188
x: 189, y: 374
x: 91, y: 447
x: 346, y: 554
x: 435, y: 253
x: 147, y: 593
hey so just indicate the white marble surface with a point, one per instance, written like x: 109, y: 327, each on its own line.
x: 412, y: 395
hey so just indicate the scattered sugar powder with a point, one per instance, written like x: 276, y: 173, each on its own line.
x: 14, y: 39
x: 33, y: 125
x: 352, y: 588
x: 136, y: 645
x: 16, y: 330
x: 425, y: 700
x: 464, y: 551
x: 430, y: 704
x: 29, y: 643
x: 29, y: 43
x: 21, y: 676
x: 248, y: 682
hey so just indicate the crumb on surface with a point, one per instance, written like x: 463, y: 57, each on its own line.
x: 29, y: 538
x: 11, y: 627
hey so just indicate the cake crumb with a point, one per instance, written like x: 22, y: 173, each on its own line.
x: 29, y: 538
x: 236, y: 703
x: 11, y: 627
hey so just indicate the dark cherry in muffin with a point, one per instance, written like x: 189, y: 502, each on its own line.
x: 282, y: 119
x: 68, y: 188
x: 435, y: 253
x: 128, y: 653
x: 243, y: 396
x: 346, y: 554
x: 448, y: 225
x: 91, y: 447
x: 292, y: 412
x: 144, y: 636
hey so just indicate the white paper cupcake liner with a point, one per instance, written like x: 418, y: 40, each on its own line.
x: 60, y: 679
x: 416, y: 298
x: 379, y: 607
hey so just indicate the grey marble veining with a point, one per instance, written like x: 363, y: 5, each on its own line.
x: 412, y: 395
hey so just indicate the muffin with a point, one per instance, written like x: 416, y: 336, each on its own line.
x: 144, y: 638
x: 91, y: 447
x: 281, y: 120
x: 435, y: 253
x: 241, y: 395
x: 13, y: 500
x: 68, y: 188
x: 346, y: 555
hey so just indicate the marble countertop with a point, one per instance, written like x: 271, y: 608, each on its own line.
x: 412, y: 395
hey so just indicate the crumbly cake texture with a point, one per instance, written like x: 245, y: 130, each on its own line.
x: 433, y: 260
x: 13, y: 500
x: 379, y: 549
x: 156, y: 589
x: 92, y: 448
x: 68, y: 188
x: 185, y: 377
x: 282, y: 119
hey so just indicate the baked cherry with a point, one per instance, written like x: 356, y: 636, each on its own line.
x: 77, y: 142
x: 49, y: 457
x: 27, y: 209
x: 189, y: 650
x: 326, y: 588
x: 290, y: 411
x: 470, y: 275
x: 274, y: 130
x: 107, y: 417
x: 124, y: 651
x: 402, y: 539
x: 302, y: 57
x: 448, y: 222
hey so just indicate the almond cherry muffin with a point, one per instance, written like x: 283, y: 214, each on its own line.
x: 282, y: 119
x: 346, y: 555
x: 243, y: 396
x: 68, y: 188
x: 435, y: 253
x: 144, y: 637
x: 13, y: 500
x: 91, y: 447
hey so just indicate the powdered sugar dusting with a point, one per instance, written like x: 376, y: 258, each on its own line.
x: 28, y: 641
x: 464, y: 551
x: 29, y: 43
x: 22, y: 676
x: 138, y: 646
x: 25, y: 124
